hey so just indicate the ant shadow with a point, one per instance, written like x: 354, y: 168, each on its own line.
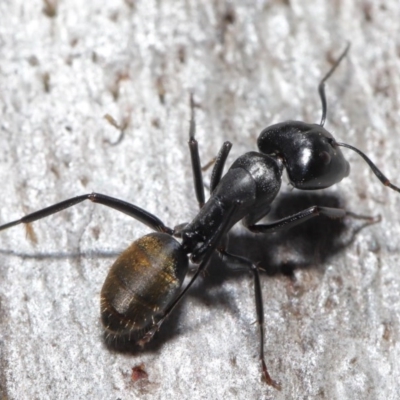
x: 306, y: 246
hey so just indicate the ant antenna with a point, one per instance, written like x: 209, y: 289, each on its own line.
x: 321, y: 86
x: 374, y: 168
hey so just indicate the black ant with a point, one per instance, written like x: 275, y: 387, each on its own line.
x: 144, y: 284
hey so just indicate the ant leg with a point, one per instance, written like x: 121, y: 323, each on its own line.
x: 206, y: 251
x: 156, y: 326
x: 133, y: 211
x: 256, y: 214
x: 300, y: 217
x: 178, y: 229
x: 196, y: 165
x: 321, y: 86
x: 195, y: 157
x: 219, y: 165
x: 238, y: 262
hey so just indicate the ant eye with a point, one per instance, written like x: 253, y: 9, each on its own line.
x: 332, y: 142
x: 325, y: 157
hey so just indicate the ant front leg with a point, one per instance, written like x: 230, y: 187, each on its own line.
x: 299, y: 218
x: 127, y: 208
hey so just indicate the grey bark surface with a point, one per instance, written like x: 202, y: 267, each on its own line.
x: 332, y: 327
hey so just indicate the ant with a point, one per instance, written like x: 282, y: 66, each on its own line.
x: 144, y: 284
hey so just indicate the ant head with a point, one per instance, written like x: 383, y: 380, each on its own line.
x: 309, y: 152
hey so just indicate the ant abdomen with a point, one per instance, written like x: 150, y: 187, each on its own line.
x: 142, y: 283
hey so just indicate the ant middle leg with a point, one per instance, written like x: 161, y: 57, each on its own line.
x: 195, y: 158
x: 202, y: 257
x: 240, y: 263
x: 219, y: 165
x: 196, y: 164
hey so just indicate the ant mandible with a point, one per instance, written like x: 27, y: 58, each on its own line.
x: 144, y: 284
